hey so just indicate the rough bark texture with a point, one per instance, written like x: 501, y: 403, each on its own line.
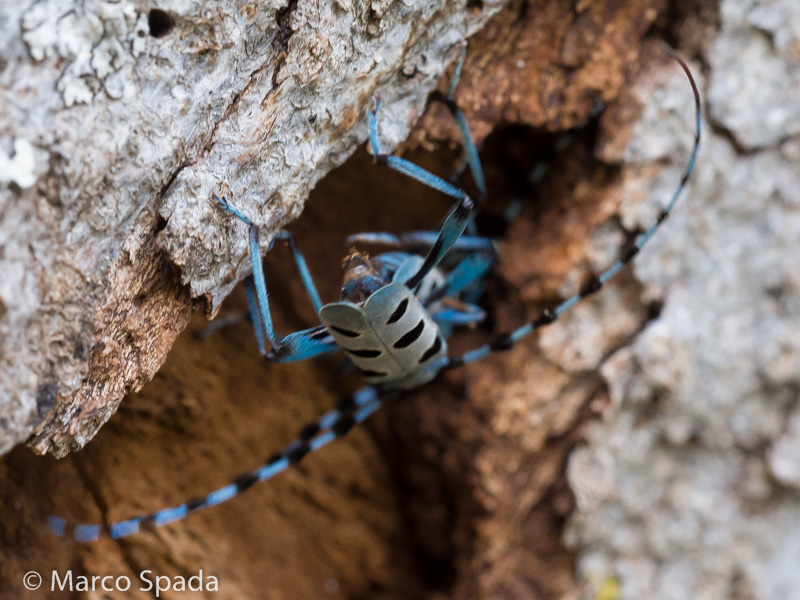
x: 678, y: 382
x: 690, y: 487
x: 119, y: 123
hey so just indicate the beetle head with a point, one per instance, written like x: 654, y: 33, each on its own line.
x: 362, y: 277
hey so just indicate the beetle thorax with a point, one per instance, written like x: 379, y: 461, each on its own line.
x: 362, y: 277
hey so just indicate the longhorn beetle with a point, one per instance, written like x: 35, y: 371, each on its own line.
x: 394, y: 316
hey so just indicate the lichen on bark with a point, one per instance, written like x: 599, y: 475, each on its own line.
x: 118, y: 126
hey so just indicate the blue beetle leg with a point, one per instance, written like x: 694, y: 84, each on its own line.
x: 407, y: 167
x: 457, y: 72
x: 456, y: 221
x: 421, y: 241
x: 469, y: 314
x: 225, y: 205
x: 374, y: 237
x: 595, y: 283
x: 471, y: 269
x: 466, y: 274
x: 464, y: 314
x: 255, y: 315
x: 416, y: 172
x: 471, y: 157
x: 261, y: 287
x: 304, y: 344
x: 466, y: 243
x: 296, y: 346
x: 263, y: 313
x: 470, y: 150
x: 459, y: 170
x: 302, y: 267
x: 334, y: 424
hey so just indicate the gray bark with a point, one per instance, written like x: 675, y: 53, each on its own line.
x: 690, y: 486
x: 117, y: 126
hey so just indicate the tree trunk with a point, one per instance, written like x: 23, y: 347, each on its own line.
x: 676, y: 383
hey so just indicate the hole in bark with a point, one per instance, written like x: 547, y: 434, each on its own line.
x: 46, y: 395
x: 82, y: 349
x: 475, y: 4
x: 160, y: 22
x: 284, y: 21
x: 161, y: 224
x: 654, y: 309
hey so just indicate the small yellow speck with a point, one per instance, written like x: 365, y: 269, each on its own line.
x: 609, y: 589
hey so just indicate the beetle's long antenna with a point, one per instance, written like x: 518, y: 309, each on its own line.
x: 334, y: 424
x: 595, y: 283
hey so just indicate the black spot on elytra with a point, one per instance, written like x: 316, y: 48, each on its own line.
x: 398, y: 312
x: 368, y: 373
x: 345, y: 332
x: 432, y: 351
x: 364, y: 353
x: 319, y: 335
x: 411, y: 337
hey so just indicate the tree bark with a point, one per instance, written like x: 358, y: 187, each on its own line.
x: 124, y: 122
x: 644, y: 446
